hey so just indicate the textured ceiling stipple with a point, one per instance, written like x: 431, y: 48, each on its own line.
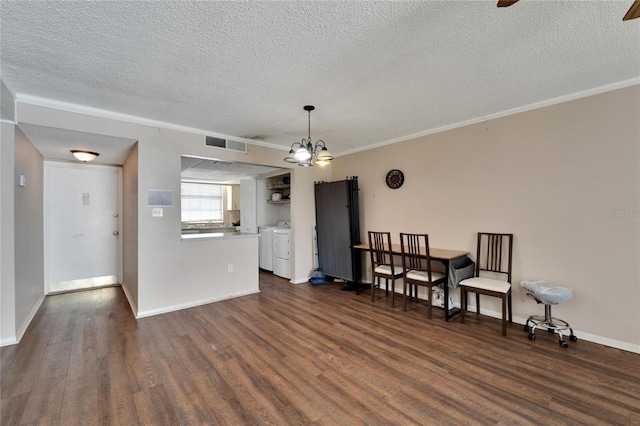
x: 377, y: 71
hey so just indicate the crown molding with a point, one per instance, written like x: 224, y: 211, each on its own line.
x: 112, y: 115
x: 101, y: 113
x: 513, y: 111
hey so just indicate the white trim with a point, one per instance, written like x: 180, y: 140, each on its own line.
x: 588, y: 337
x: 300, y: 281
x: 173, y: 308
x: 625, y: 346
x: 101, y: 113
x: 112, y: 115
x: 518, y: 110
x: 8, y: 341
x: 5, y: 121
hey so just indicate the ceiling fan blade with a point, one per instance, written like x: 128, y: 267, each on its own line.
x: 507, y: 3
x: 634, y: 11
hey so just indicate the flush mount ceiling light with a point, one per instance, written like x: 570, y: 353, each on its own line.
x: 84, y: 156
x: 305, y: 153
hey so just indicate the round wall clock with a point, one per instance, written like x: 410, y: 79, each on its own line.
x: 395, y: 179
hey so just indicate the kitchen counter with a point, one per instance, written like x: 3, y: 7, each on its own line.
x: 209, y: 229
x: 217, y: 235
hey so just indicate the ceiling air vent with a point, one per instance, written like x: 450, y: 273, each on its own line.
x: 225, y: 144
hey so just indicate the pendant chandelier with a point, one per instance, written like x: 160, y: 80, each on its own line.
x: 305, y: 153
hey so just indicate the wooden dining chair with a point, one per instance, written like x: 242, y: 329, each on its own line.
x: 493, y: 257
x: 416, y: 266
x: 382, y: 264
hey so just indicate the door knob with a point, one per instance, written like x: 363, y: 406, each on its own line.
x: 116, y: 233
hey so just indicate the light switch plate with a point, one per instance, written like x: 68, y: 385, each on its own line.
x: 157, y: 212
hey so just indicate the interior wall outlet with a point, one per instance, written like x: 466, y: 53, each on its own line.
x: 22, y: 181
x: 230, y: 267
x: 157, y: 212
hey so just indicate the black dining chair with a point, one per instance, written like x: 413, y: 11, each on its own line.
x: 382, y: 263
x: 416, y: 266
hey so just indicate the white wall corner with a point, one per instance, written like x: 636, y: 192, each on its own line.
x: 32, y: 314
x: 134, y: 308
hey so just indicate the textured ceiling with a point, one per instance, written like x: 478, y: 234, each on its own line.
x: 58, y: 143
x: 376, y: 71
x: 201, y: 169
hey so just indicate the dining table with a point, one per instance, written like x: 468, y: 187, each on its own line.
x: 444, y: 256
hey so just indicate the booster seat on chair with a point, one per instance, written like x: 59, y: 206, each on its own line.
x: 548, y: 294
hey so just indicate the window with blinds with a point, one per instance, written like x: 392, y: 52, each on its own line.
x: 201, y: 202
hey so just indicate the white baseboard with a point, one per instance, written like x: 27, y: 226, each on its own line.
x: 8, y: 341
x: 588, y: 337
x: 25, y: 325
x: 173, y: 308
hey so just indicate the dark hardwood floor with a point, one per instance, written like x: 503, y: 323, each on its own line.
x: 298, y: 354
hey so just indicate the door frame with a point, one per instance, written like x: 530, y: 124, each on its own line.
x: 48, y: 165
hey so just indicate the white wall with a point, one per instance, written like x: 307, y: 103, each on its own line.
x: 564, y: 179
x: 130, y: 227
x: 7, y: 233
x: 21, y: 240
x: 29, y: 241
x: 303, y: 218
x: 163, y: 259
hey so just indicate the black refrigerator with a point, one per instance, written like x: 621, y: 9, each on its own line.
x: 338, y: 230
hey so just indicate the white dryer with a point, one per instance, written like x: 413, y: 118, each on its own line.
x: 282, y: 252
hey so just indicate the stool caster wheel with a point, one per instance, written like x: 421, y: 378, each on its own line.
x: 532, y: 336
x: 563, y: 344
x: 527, y: 329
x: 573, y: 338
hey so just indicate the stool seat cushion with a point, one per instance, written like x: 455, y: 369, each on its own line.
x: 547, y: 293
x: 490, y: 284
x: 386, y: 269
x: 423, y: 276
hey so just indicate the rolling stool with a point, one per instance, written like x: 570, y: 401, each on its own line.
x: 548, y: 294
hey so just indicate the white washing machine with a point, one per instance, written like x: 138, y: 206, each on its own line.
x: 282, y: 252
x: 266, y: 244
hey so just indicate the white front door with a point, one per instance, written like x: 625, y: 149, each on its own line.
x: 82, y: 226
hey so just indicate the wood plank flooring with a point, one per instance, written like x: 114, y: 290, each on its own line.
x: 298, y: 354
